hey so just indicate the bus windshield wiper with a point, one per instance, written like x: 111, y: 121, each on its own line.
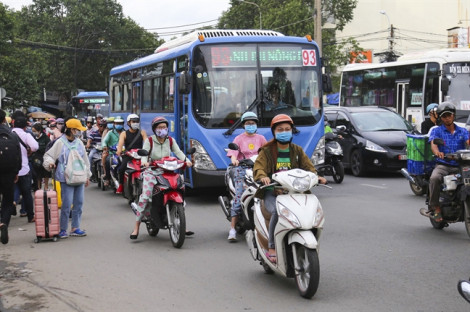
x: 255, y: 103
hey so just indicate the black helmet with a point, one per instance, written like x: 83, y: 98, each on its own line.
x: 445, y: 107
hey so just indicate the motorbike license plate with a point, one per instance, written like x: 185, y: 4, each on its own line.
x: 402, y: 157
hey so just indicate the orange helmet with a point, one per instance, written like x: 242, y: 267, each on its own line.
x: 281, y: 118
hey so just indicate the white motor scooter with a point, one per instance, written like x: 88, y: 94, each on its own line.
x: 297, y: 232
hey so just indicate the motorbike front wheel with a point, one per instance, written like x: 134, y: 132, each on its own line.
x: 437, y: 225
x: 178, y: 229
x: 338, y: 174
x: 467, y: 215
x: 307, y: 273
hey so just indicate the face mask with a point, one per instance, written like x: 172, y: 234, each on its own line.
x: 135, y: 126
x: 251, y: 128
x: 284, y: 137
x: 36, y: 134
x: 110, y: 126
x: 77, y: 134
x: 119, y: 127
x: 161, y: 133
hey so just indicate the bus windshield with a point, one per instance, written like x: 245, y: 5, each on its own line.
x: 459, y: 87
x: 90, y: 104
x: 227, y: 76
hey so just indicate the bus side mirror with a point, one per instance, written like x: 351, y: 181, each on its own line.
x: 185, y: 83
x: 445, y: 84
x: 327, y: 87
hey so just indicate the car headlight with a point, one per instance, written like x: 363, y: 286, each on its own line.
x: 201, y: 158
x: 301, y: 184
x: 289, y: 216
x: 374, y: 147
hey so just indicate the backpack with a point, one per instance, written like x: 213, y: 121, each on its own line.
x: 75, y: 169
x: 151, y: 144
x: 10, y: 151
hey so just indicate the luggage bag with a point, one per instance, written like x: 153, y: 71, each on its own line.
x: 47, y: 215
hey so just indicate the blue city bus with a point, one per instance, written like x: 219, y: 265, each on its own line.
x: 203, y: 82
x: 90, y: 103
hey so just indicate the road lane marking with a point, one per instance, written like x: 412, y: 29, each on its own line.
x: 376, y: 186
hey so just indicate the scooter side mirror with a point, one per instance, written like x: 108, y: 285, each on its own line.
x: 191, y: 151
x: 341, y: 128
x: 464, y: 289
x: 233, y: 146
x: 142, y: 152
x: 438, y: 141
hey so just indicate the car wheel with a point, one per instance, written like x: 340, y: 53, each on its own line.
x: 357, y: 164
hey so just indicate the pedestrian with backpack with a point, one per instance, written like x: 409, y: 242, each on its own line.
x: 73, y: 173
x: 28, y: 146
x: 10, y: 165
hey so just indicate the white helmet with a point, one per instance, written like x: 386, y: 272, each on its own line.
x: 133, y: 117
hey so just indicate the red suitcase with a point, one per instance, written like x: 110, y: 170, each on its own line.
x: 46, y: 212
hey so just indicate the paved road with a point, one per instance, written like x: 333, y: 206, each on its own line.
x: 377, y: 254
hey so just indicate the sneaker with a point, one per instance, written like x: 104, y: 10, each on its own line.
x: 78, y: 233
x: 232, y: 235
x: 63, y: 234
x: 120, y: 189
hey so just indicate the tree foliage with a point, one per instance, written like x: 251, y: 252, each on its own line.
x: 72, y: 44
x: 296, y: 18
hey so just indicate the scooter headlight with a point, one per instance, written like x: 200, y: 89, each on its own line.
x: 301, y: 184
x: 289, y: 216
x: 465, y: 155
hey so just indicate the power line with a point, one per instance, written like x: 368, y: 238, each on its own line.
x: 180, y: 26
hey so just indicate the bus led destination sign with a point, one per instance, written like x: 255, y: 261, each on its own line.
x: 92, y: 101
x: 233, y: 56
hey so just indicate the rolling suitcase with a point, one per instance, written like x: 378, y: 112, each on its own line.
x: 47, y: 216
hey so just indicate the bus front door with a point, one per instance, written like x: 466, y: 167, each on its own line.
x: 403, y: 89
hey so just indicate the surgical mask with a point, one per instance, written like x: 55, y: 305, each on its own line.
x: 110, y: 126
x: 284, y: 137
x: 135, y: 126
x: 162, y: 133
x: 119, y: 127
x: 36, y: 134
x: 251, y: 128
x: 77, y: 134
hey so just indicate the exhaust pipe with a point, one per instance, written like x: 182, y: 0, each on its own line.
x: 223, y: 206
x: 405, y: 173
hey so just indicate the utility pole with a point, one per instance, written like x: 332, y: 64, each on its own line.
x: 317, y: 16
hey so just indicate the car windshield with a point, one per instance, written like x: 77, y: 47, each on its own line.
x: 380, y: 121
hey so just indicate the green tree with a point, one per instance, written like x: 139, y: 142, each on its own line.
x: 296, y: 18
x: 78, y: 42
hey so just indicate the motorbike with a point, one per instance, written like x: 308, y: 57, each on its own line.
x: 167, y: 210
x: 247, y: 198
x: 333, y: 165
x: 297, y: 232
x: 132, y: 176
x: 454, y: 198
x: 464, y: 289
x: 96, y: 165
x: 114, y: 163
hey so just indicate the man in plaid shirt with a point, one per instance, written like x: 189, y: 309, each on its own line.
x: 455, y: 138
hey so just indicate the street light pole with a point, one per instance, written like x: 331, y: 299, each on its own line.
x: 390, y: 25
x: 259, y: 9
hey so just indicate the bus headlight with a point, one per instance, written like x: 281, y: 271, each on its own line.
x: 318, y: 156
x: 201, y: 158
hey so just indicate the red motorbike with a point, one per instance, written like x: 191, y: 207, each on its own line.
x: 132, y: 176
x: 167, y: 211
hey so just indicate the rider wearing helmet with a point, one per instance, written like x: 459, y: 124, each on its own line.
x: 279, y: 154
x: 129, y: 139
x: 111, y: 139
x: 158, y: 145
x: 455, y: 138
x: 430, y: 122
x: 249, y: 142
x: 94, y: 140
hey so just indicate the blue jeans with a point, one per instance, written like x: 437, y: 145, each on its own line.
x: 238, y: 175
x: 24, y: 186
x: 270, y: 205
x: 71, y: 195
